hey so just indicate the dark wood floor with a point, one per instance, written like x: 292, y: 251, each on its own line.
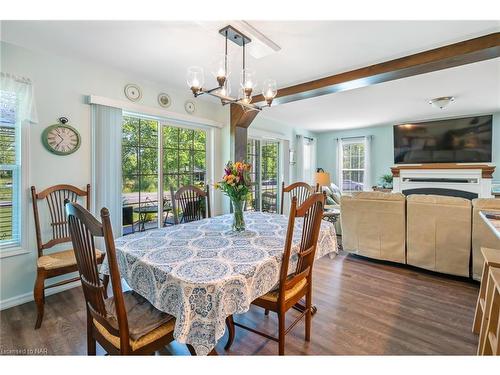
x: 365, y: 307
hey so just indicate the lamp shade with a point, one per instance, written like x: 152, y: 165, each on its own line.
x: 322, y: 178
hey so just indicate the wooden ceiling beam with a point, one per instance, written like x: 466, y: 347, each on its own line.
x: 461, y: 53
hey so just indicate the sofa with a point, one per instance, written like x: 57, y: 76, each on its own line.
x: 438, y: 233
x: 373, y: 225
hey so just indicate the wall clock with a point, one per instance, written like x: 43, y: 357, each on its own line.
x: 164, y: 100
x: 61, y: 139
x: 189, y: 106
x: 132, y: 92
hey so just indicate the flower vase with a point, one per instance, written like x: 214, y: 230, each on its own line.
x: 238, y: 219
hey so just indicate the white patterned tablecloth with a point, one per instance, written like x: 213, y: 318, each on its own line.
x: 202, y: 272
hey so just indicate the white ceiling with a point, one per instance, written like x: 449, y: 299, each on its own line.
x: 161, y: 51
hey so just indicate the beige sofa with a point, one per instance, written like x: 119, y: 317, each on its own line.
x: 482, y: 236
x: 373, y: 225
x: 434, y: 232
x: 439, y: 233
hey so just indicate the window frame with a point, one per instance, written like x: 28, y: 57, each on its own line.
x: 13, y: 248
x: 340, y: 164
x: 209, y: 147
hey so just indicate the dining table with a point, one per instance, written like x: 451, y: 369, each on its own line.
x: 202, y: 272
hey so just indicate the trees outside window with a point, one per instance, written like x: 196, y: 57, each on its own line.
x: 152, y: 151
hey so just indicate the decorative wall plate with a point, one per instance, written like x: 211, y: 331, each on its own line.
x: 61, y: 139
x: 189, y: 106
x: 132, y: 92
x: 164, y: 100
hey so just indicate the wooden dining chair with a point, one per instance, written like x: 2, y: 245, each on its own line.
x: 300, y: 190
x: 60, y: 262
x: 125, y: 323
x: 193, y: 202
x: 292, y: 287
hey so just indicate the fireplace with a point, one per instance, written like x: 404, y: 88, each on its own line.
x: 459, y: 180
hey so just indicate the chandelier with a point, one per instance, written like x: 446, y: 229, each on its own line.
x: 248, y: 83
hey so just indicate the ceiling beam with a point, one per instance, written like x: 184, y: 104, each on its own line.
x: 241, y: 116
x: 462, y: 53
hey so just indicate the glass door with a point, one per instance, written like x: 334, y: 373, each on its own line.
x: 264, y: 155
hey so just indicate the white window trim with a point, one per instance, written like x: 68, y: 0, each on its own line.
x: 340, y: 157
x: 209, y: 150
x: 20, y: 248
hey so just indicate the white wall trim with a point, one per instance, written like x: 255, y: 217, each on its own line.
x: 152, y: 111
x: 28, y: 297
x: 264, y: 134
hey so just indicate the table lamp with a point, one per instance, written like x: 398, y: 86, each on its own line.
x: 322, y: 178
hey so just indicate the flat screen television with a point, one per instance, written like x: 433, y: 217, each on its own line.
x: 459, y: 140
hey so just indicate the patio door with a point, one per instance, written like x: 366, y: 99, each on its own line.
x: 157, y: 155
x: 264, y: 155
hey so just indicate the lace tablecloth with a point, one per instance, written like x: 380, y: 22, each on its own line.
x: 202, y: 272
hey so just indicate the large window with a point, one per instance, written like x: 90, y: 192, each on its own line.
x: 353, y: 164
x: 10, y: 170
x: 152, y: 152
x: 264, y: 156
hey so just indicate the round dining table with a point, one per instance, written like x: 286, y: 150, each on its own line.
x: 202, y: 272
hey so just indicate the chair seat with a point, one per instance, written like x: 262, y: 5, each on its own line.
x: 61, y: 259
x: 146, y: 323
x: 272, y: 296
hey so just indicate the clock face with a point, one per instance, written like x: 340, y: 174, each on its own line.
x: 61, y: 139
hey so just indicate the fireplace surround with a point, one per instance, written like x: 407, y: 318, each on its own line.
x: 460, y: 180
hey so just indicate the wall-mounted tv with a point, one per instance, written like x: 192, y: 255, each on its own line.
x: 459, y: 140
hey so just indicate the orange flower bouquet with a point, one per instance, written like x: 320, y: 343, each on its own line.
x: 236, y: 185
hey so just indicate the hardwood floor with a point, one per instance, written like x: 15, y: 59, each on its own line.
x: 364, y: 307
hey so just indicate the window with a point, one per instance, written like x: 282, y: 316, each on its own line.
x: 353, y: 159
x: 309, y: 162
x: 10, y: 170
x: 151, y: 152
x: 264, y: 157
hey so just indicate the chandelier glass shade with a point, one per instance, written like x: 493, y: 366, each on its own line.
x: 248, y: 81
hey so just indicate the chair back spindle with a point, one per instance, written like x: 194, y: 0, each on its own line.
x: 311, y: 210
x: 83, y: 228
x: 300, y: 190
x: 55, y: 196
x: 192, y: 201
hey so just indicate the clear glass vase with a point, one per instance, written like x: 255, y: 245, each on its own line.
x: 238, y: 219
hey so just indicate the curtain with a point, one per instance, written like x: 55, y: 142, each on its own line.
x: 299, y: 157
x: 106, y: 163
x: 338, y: 170
x: 24, y: 93
x: 306, y: 159
x: 367, y: 186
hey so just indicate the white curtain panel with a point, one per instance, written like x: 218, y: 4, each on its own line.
x: 24, y: 94
x: 367, y: 183
x: 299, y: 157
x: 106, y: 163
x: 338, y: 169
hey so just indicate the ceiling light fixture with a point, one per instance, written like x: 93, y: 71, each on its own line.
x: 196, y: 78
x: 441, y: 102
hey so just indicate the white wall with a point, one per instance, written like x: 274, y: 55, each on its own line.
x: 61, y: 86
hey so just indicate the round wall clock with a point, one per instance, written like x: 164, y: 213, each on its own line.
x: 164, y: 100
x: 61, y: 139
x: 189, y: 106
x: 132, y: 92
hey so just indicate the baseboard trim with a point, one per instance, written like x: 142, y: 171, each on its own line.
x: 28, y: 297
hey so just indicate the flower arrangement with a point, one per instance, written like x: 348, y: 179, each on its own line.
x: 236, y: 185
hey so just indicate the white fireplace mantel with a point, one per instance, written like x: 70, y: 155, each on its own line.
x: 472, y: 178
